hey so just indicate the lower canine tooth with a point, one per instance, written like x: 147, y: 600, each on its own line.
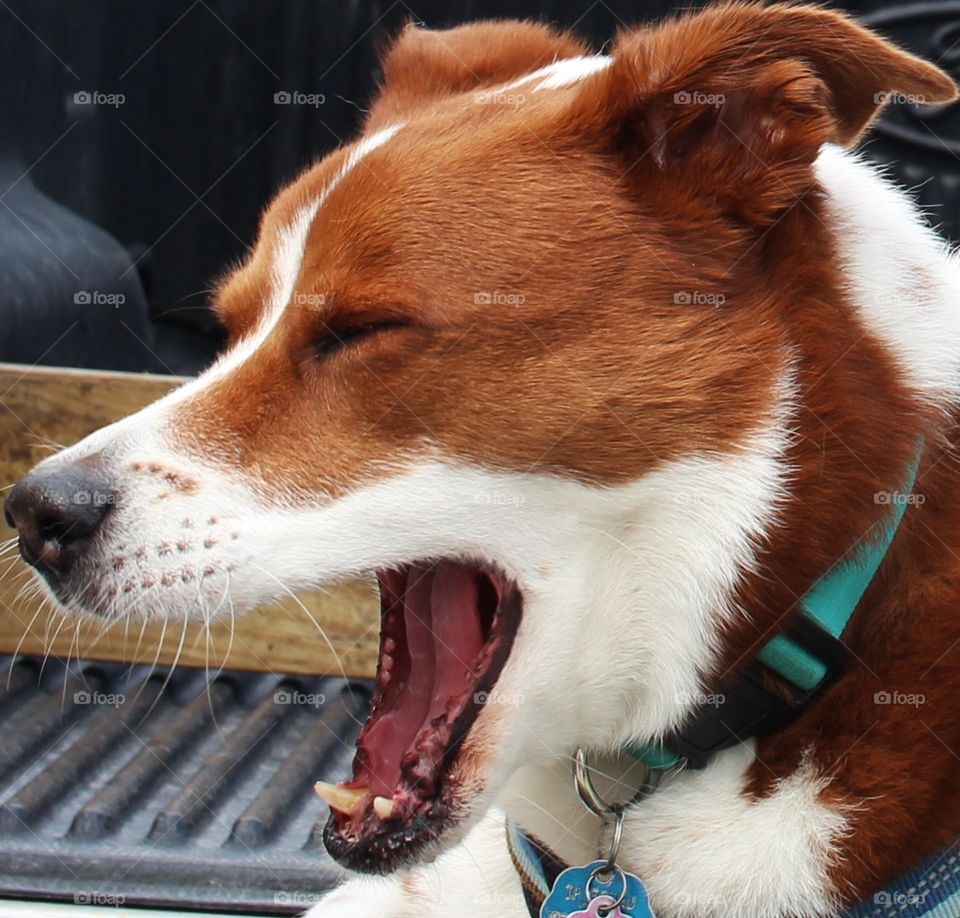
x: 383, y: 807
x: 342, y: 799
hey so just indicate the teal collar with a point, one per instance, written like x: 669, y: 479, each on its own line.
x: 807, y: 655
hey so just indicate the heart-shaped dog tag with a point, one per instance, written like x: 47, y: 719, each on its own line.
x: 578, y: 889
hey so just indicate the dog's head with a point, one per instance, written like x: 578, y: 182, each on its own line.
x: 497, y: 351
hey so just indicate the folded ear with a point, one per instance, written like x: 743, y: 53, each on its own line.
x: 422, y: 66
x: 735, y: 102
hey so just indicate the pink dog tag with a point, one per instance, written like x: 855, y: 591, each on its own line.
x: 600, y: 908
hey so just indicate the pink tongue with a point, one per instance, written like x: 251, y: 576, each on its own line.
x: 414, y: 702
x: 456, y: 632
x: 443, y: 647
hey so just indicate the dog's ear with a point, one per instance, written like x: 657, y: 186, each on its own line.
x: 422, y: 66
x: 735, y: 102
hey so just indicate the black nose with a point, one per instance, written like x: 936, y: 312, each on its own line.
x: 55, y: 513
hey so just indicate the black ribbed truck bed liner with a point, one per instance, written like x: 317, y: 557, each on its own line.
x: 181, y: 788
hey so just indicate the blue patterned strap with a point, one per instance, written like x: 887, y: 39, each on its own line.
x: 536, y: 865
x: 931, y: 890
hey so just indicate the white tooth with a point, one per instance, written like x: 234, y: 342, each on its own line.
x: 383, y: 807
x: 342, y: 799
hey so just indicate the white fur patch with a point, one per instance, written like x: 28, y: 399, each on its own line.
x: 566, y: 72
x: 708, y: 850
x: 287, y: 258
x: 901, y: 276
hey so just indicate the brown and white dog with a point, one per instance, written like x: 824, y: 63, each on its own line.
x: 599, y: 362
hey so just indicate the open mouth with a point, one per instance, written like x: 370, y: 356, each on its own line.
x: 446, y: 631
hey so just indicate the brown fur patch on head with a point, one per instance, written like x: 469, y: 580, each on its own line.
x: 422, y: 66
x: 532, y: 270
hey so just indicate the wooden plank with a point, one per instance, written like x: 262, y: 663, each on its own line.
x: 42, y: 409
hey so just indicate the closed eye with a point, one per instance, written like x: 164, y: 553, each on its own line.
x: 338, y: 339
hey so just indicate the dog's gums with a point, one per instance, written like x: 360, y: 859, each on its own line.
x: 447, y: 629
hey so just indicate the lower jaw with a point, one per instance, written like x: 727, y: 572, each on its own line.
x: 392, y: 848
x: 432, y: 791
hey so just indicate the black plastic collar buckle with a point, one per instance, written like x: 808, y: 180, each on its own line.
x: 745, y: 708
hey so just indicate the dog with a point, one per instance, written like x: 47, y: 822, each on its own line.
x: 601, y: 363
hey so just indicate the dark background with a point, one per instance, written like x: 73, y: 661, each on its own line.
x: 178, y: 173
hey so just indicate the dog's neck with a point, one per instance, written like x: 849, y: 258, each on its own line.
x: 724, y: 547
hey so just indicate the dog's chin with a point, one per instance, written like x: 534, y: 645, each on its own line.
x: 89, y: 595
x: 447, y: 631
x: 381, y: 849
